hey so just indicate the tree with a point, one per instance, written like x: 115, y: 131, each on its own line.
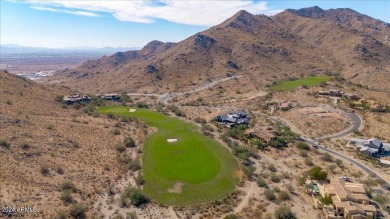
x: 318, y: 173
x: 326, y: 200
x: 284, y: 212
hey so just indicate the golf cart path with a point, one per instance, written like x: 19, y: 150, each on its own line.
x: 245, y: 201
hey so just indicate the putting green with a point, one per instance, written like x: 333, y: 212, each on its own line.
x: 194, y: 169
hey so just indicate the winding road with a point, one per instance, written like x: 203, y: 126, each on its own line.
x: 357, y: 122
x: 164, y: 98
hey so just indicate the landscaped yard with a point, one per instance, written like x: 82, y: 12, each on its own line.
x: 309, y: 81
x: 194, y: 169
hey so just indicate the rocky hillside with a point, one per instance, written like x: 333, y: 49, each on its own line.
x: 293, y: 43
x: 43, y: 144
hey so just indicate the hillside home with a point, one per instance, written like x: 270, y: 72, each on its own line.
x: 76, y: 98
x: 349, y: 200
x: 285, y: 106
x: 351, y: 96
x: 112, y: 96
x: 371, y: 147
x: 265, y: 133
x: 339, y: 93
x: 236, y: 118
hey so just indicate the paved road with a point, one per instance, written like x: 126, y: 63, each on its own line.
x: 164, y: 98
x: 354, y: 162
x: 356, y: 125
x: 357, y: 122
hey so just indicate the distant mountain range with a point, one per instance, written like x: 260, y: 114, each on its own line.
x: 293, y: 43
x: 17, y: 49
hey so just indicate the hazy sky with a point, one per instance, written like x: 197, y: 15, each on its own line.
x: 120, y: 23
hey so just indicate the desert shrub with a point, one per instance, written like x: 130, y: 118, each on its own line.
x: 241, y: 152
x: 285, y: 175
x: 119, y: 216
x: 326, y: 157
x: 284, y: 212
x: 45, y: 170
x: 200, y: 120
x: 116, y: 132
x: 66, y: 196
x: 339, y: 162
x: 272, y: 167
x: 261, y: 182
x: 134, y: 165
x: 60, y: 170
x: 68, y: 185
x: 59, y: 98
x: 249, y: 170
x: 303, y: 146
x: 110, y: 115
x: 61, y: 214
x: 77, y: 211
x: 275, y: 178
x: 308, y: 161
x: 25, y: 146
x: 290, y: 188
x: 5, y: 144
x: 231, y: 216
x: 283, y: 196
x: 139, y: 180
x: 132, y: 215
x: 110, y: 190
x: 129, y: 142
x: 207, y: 127
x: 142, y: 105
x: 381, y: 199
x: 303, y: 153
x: 332, y: 168
x: 136, y: 197
x: 120, y: 148
x: 318, y: 173
x: 269, y: 195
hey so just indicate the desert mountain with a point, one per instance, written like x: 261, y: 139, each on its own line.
x: 293, y: 43
x: 42, y: 144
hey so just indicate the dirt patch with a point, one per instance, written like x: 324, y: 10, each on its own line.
x: 132, y: 110
x: 176, y: 188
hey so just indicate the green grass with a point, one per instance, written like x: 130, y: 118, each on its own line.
x: 309, y: 81
x: 206, y: 170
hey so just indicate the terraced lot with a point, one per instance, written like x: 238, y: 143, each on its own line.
x: 194, y: 169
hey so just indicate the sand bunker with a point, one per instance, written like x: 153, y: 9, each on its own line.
x: 176, y: 188
x: 171, y: 140
x: 131, y: 110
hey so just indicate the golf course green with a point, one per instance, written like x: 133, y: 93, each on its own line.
x: 194, y: 169
x: 294, y: 84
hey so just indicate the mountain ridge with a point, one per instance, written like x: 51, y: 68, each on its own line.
x: 264, y: 48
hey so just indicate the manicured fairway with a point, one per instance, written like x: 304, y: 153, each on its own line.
x: 309, y: 81
x: 195, y: 169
